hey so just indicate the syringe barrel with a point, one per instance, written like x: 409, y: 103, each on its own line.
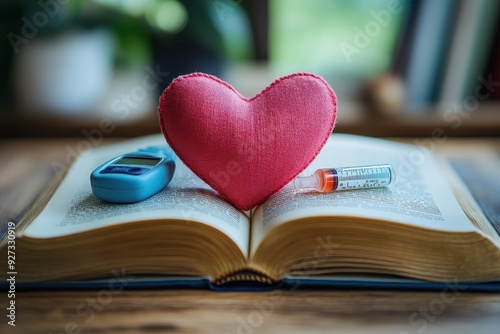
x: 359, y: 177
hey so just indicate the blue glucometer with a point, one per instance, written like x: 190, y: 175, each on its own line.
x: 135, y: 176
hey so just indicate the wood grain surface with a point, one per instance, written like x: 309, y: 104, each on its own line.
x: 197, y: 311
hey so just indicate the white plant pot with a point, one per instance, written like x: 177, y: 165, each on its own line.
x: 67, y: 74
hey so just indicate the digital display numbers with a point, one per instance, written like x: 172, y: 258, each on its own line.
x: 138, y: 161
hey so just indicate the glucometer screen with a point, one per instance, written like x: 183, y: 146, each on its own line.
x: 138, y: 161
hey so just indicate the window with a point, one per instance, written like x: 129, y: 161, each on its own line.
x: 335, y: 38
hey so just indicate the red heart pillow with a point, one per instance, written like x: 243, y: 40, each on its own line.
x: 247, y: 148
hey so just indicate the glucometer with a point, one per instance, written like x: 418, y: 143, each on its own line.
x: 135, y: 176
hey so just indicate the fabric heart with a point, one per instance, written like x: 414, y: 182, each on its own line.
x: 247, y: 148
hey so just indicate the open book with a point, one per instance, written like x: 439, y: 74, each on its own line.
x: 416, y: 228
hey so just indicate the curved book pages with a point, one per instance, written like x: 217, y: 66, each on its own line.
x: 424, y: 227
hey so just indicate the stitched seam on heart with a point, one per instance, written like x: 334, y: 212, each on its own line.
x: 331, y: 127
x: 333, y: 99
x: 271, y: 86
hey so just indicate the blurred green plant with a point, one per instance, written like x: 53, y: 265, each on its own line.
x: 141, y: 28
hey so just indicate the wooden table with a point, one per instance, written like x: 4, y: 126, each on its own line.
x: 25, y: 166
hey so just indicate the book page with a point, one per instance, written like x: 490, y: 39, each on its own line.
x: 73, y: 207
x: 420, y: 196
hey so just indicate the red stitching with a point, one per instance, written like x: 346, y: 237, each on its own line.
x: 333, y: 98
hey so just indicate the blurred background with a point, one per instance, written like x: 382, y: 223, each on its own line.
x: 399, y: 67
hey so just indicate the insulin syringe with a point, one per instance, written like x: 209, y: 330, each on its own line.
x: 347, y: 178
